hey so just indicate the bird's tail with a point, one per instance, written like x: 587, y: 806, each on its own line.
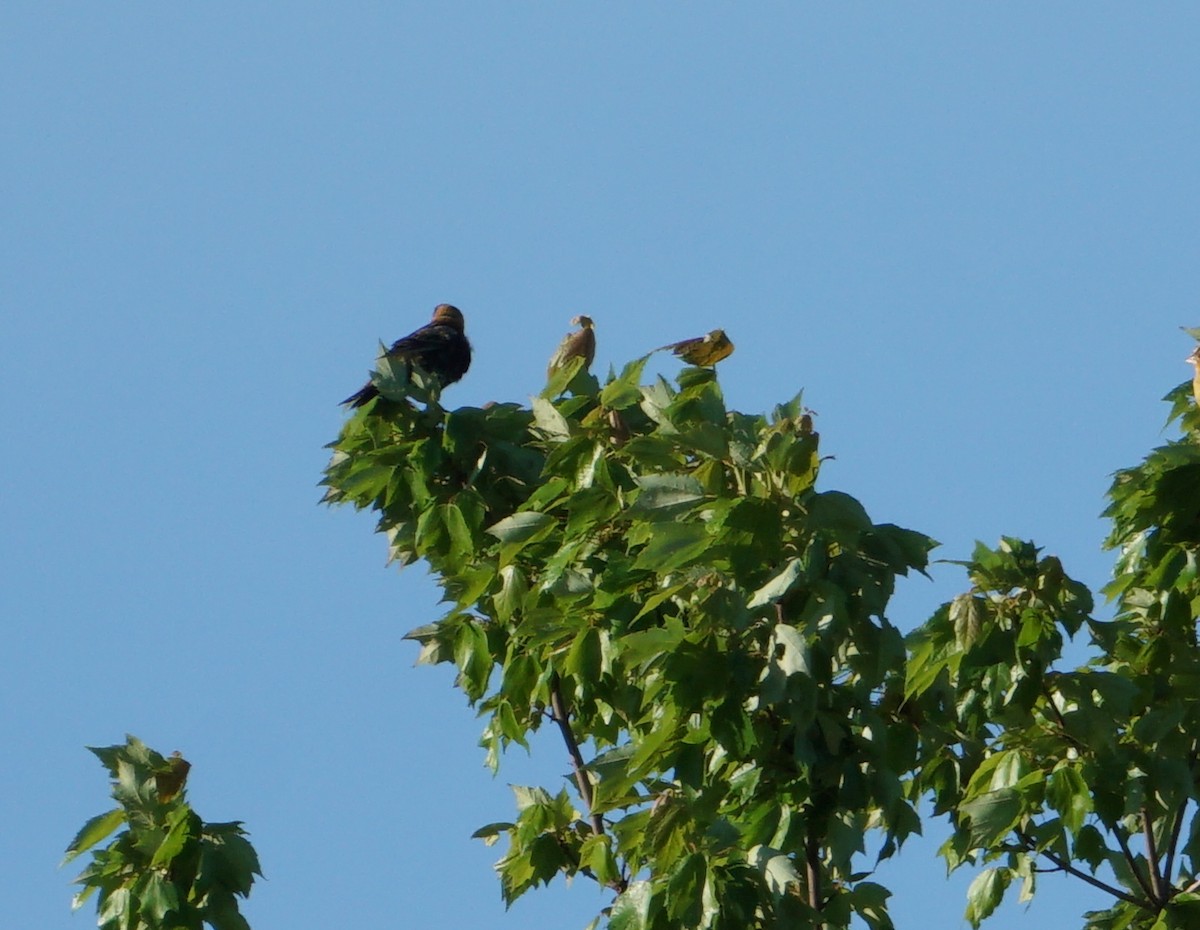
x: 362, y: 395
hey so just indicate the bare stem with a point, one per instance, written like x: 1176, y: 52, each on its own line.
x: 1173, y: 842
x: 1129, y: 858
x: 812, y: 864
x: 1062, y: 866
x: 558, y: 710
x: 1152, y: 857
x: 1177, y: 826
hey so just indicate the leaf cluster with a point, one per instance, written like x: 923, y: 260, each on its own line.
x: 659, y: 577
x: 167, y: 869
x: 1090, y: 771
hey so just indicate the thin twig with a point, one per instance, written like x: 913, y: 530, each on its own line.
x: 1064, y: 866
x: 1129, y: 858
x: 558, y: 708
x: 1173, y: 843
x: 1177, y: 827
x: 1061, y: 720
x: 812, y: 863
x: 1152, y: 857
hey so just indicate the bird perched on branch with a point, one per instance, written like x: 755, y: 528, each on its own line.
x: 439, y: 347
x: 1194, y: 359
x: 169, y: 780
x: 578, y: 344
x: 703, y: 350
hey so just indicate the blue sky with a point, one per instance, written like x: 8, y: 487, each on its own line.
x: 968, y: 232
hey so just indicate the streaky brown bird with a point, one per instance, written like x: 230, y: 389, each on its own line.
x: 170, y: 779
x: 440, y: 347
x: 1194, y: 361
x: 703, y: 350
x: 578, y: 344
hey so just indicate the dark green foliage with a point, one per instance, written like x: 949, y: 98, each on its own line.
x: 712, y: 626
x: 167, y: 870
x: 662, y: 580
x: 1091, y: 771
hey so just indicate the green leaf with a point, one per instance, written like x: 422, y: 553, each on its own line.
x: 631, y: 910
x: 991, y: 816
x: 684, y: 889
x: 1068, y: 793
x: 520, y: 530
x: 596, y: 854
x: 666, y: 491
x: 179, y: 832
x: 513, y: 589
x: 985, y: 894
x: 673, y: 546
x: 778, y: 586
x: 547, y: 418
x: 839, y: 513
x: 116, y: 908
x: 157, y: 898
x: 366, y: 484
x: 491, y: 832
x: 473, y: 658
x: 625, y: 391
x: 778, y: 870
x: 967, y: 613
x: 94, y: 831
x: 462, y: 545
x: 583, y: 658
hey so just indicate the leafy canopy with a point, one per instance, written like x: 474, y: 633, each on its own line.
x: 659, y: 577
x: 167, y: 869
x: 1089, y: 771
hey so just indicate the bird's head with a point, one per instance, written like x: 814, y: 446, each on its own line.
x: 448, y: 315
x: 1194, y: 358
x: 584, y: 321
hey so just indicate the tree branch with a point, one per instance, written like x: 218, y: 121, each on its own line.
x: 812, y: 867
x: 1177, y: 827
x: 1129, y: 858
x: 1152, y: 858
x: 558, y: 713
x: 1173, y: 843
x: 1063, y: 866
x: 1061, y: 720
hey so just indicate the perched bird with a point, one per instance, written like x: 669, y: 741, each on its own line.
x: 169, y: 780
x: 439, y: 347
x: 703, y: 350
x: 1194, y: 360
x: 579, y: 344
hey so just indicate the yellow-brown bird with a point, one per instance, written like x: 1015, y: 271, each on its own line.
x: 169, y: 781
x: 1194, y: 361
x: 440, y: 347
x: 578, y: 344
x: 703, y: 350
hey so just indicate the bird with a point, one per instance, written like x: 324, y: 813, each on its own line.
x: 578, y: 344
x: 703, y: 350
x: 1194, y: 361
x: 440, y: 347
x: 170, y: 778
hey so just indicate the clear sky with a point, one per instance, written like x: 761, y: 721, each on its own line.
x: 968, y: 231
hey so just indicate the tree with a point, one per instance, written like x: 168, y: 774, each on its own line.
x: 167, y: 869
x: 659, y: 578
x: 1091, y: 771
